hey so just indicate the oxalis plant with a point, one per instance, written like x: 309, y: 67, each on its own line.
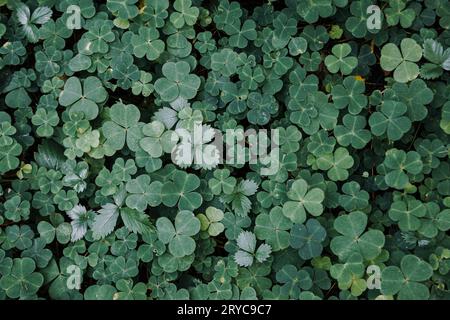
x: 108, y: 191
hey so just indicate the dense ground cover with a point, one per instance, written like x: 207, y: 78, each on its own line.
x: 98, y: 200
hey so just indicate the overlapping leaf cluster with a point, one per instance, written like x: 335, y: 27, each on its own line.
x: 93, y: 187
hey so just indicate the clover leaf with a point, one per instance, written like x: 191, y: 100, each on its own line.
x: 143, y: 193
x: 210, y: 221
x: 109, y: 191
x: 181, y: 190
x: 156, y: 141
x: 177, y: 82
x: 302, y: 200
x: 222, y: 182
x: 310, y: 11
x: 336, y: 164
x: 22, y: 281
x: 396, y: 13
x: 350, y: 274
x: 308, y: 238
x: 45, y: 122
x: 353, y: 198
x: 406, y: 281
x: 143, y: 86
x: 147, y: 43
x: 241, y: 34
x: 125, y: 9
x: 354, y: 239
x: 178, y: 236
x: 122, y: 127
x: 352, y: 132
x: 390, y: 120
x: 185, y: 14
x: 408, y: 214
x: 293, y: 280
x: 398, y: 163
x: 402, y: 61
x: 273, y: 228
x: 340, y: 60
x: 83, y: 99
x: 350, y: 94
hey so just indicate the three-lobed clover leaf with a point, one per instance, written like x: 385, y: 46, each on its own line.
x: 407, y: 281
x: 48, y: 61
x: 408, y: 213
x: 434, y: 221
x: 184, y: 14
x: 22, y: 281
x: 241, y: 34
x: 86, y: 150
x: 97, y: 39
x: 273, y: 228
x: 390, y: 120
x: 222, y: 182
x: 262, y: 107
x: 143, y: 86
x: 293, y: 280
x: 398, y: 164
x: 177, y: 82
x: 156, y: 141
x: 124, y: 9
x: 225, y: 61
x: 65, y: 200
x: 312, y: 10
x: 308, y: 238
x: 147, y: 43
x: 398, y: 13
x: 340, y: 61
x: 416, y: 95
x: 350, y: 94
x: 353, y: 198
x: 178, y: 236
x: 122, y: 128
x: 350, y: 274
x: 181, y: 190
x: 336, y: 164
x: 16, y: 209
x: 402, y: 61
x: 302, y: 200
x: 83, y: 99
x: 353, y: 237
x: 143, y: 193
x: 352, y: 132
x: 211, y: 221
x: 45, y: 121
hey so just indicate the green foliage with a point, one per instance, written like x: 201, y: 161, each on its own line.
x: 339, y: 60
x: 302, y: 200
x: 406, y: 280
x: 100, y: 150
x: 402, y: 60
x: 247, y: 252
x: 177, y: 82
x: 179, y: 236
